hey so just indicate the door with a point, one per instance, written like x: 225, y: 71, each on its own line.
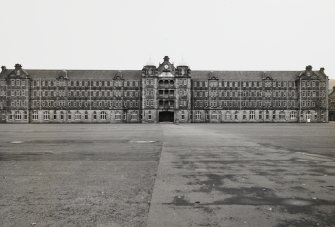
x: 166, y: 116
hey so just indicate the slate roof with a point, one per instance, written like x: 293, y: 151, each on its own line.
x: 137, y: 74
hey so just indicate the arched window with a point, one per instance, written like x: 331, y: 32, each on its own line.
x: 94, y: 115
x: 236, y: 115
x: 293, y: 115
x: 77, y: 115
x: 86, y: 115
x: 103, y: 115
x: 281, y: 115
x: 274, y: 114
x: 228, y: 115
x: 18, y: 115
x: 252, y: 115
x: 69, y: 115
x: 46, y: 115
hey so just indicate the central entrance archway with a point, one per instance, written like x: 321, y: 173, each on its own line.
x: 166, y: 116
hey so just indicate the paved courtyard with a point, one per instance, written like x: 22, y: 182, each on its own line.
x: 167, y: 175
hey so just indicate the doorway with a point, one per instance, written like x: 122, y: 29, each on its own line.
x: 166, y: 116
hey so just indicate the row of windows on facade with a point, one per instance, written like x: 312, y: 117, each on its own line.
x: 293, y: 94
x: 87, y: 83
x: 165, y: 103
x: 262, y: 115
x: 94, y: 104
x: 171, y: 92
x: 236, y: 84
x: 165, y: 82
x: 259, y: 103
x: 47, y: 115
x: 128, y: 83
x: 63, y: 93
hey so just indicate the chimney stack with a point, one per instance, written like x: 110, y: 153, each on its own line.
x: 322, y: 70
x: 308, y: 68
x: 18, y: 66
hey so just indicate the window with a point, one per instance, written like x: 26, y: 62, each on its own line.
x: 260, y: 115
x: 281, y: 115
x: 274, y: 114
x: 94, y: 115
x: 236, y: 115
x: 25, y: 115
x: 46, y: 115
x: 86, y: 115
x: 117, y: 116
x: 252, y: 115
x: 183, y: 115
x: 293, y: 115
x: 77, y: 115
x: 103, y: 115
x: 149, y: 115
x: 267, y: 115
x: 69, y: 115
x: 62, y: 115
x: 134, y: 115
x: 198, y: 115
x: 244, y: 115
x: 214, y: 115
x: 228, y: 115
x: 18, y: 115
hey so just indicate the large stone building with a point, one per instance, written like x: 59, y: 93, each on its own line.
x: 331, y: 104
x: 163, y: 93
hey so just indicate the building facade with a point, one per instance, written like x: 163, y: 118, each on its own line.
x: 331, y: 105
x: 164, y: 93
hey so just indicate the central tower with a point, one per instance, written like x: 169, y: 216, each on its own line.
x: 166, y: 93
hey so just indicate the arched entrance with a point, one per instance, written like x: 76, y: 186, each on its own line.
x: 166, y: 116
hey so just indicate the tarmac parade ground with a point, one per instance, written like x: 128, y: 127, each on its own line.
x: 167, y: 175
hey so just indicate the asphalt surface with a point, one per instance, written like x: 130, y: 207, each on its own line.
x: 167, y: 175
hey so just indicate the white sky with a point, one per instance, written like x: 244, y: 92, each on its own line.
x: 211, y: 35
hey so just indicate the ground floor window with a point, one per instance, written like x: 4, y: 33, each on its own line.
x: 35, y: 115
x: 244, y: 115
x: 260, y: 115
x: 77, y: 115
x: 103, y: 115
x: 149, y: 115
x: 236, y: 115
x: 267, y: 115
x: 69, y: 115
x: 274, y: 115
x: 214, y: 116
x: 228, y: 115
x: 117, y: 116
x: 46, y: 115
x: 86, y: 115
x: 62, y: 115
x: 293, y: 115
x: 281, y: 115
x: 198, y: 115
x: 308, y: 115
x: 183, y: 115
x: 252, y: 115
x: 134, y: 115
x: 94, y: 115
x: 18, y: 115
x: 25, y: 115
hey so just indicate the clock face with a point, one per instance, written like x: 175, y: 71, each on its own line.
x: 166, y: 66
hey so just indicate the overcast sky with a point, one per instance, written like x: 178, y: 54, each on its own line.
x: 211, y: 35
